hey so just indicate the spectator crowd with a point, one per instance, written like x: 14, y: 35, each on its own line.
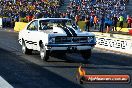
x: 24, y: 7
x: 98, y: 14
x: 29, y: 9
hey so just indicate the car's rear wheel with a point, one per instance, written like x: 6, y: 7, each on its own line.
x: 86, y: 54
x: 25, y: 50
x: 44, y: 54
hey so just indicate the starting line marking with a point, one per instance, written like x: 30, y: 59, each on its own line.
x: 4, y: 83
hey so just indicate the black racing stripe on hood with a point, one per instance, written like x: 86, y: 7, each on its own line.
x: 72, y: 31
x: 66, y: 30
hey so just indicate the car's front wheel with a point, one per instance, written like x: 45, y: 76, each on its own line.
x: 44, y: 54
x: 25, y: 50
x: 86, y: 54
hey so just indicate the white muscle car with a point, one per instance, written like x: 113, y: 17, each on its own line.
x: 47, y: 35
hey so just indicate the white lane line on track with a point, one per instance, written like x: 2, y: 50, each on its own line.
x: 4, y: 83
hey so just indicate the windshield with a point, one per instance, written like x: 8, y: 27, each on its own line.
x: 48, y: 24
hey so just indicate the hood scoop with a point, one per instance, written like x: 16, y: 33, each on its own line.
x: 55, y: 32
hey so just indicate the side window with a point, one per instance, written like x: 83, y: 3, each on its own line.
x: 33, y: 26
x: 46, y: 25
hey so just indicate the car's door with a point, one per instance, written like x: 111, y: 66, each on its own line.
x: 32, y: 30
x: 26, y: 35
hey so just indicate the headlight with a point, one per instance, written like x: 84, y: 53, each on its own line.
x: 51, y: 40
x: 90, y: 39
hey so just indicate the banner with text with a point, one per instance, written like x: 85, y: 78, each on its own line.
x: 115, y: 44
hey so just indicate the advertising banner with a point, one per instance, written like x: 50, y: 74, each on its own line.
x: 116, y: 43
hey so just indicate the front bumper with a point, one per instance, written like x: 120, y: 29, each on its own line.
x: 67, y: 45
x: 75, y: 47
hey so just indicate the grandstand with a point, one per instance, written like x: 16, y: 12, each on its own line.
x: 63, y: 8
x: 129, y: 8
x: 22, y: 10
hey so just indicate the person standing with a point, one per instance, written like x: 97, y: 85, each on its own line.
x: 102, y: 21
x: 109, y: 23
x: 95, y: 22
x: 87, y: 23
x: 77, y: 18
x: 91, y: 21
x: 129, y: 21
x: 115, y: 20
x: 121, y: 19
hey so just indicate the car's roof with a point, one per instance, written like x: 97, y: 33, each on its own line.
x: 53, y: 19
